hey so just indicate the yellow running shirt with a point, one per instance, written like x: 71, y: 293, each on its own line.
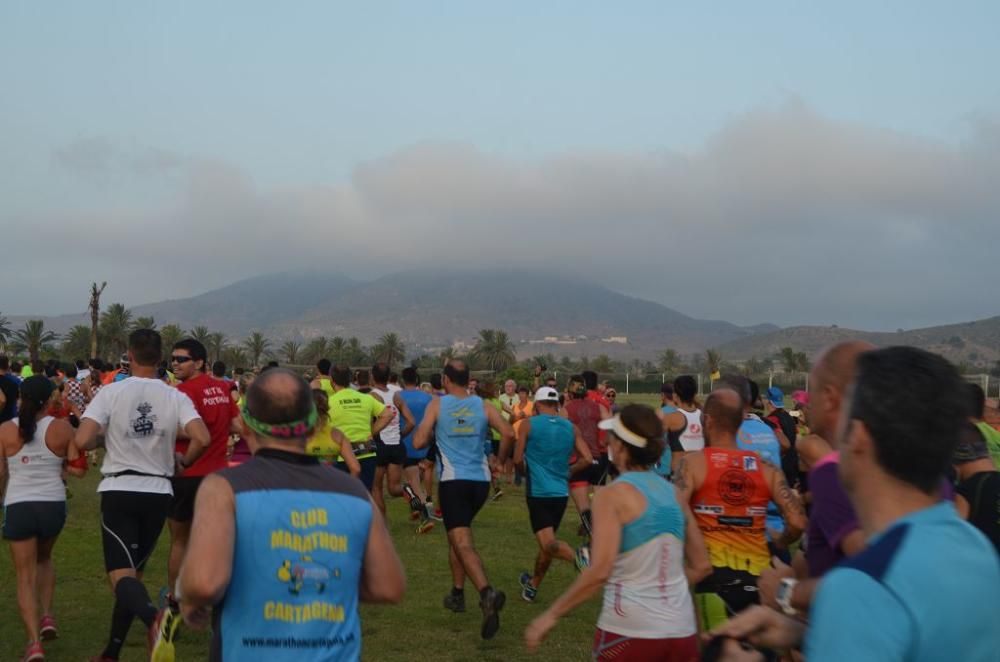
x: 322, y: 444
x: 352, y: 413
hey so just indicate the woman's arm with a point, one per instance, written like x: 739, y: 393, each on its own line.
x: 347, y: 452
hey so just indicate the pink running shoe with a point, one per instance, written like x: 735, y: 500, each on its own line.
x: 49, y: 630
x: 34, y: 652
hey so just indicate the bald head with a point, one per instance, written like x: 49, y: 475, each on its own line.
x: 279, y: 396
x: 723, y: 412
x: 833, y: 373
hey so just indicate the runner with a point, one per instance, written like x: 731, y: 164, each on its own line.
x: 8, y: 391
x: 391, y: 453
x: 729, y: 489
x: 327, y: 443
x: 34, y: 451
x: 545, y: 446
x: 977, y: 496
x: 977, y: 402
x: 222, y: 417
x: 459, y: 422
x: 139, y: 418
x: 275, y: 598
x: 360, y: 417
x: 781, y: 421
x: 322, y: 380
x: 585, y: 413
x: 691, y: 438
x: 416, y: 401
x: 674, y: 425
x: 646, y: 553
x: 925, y: 589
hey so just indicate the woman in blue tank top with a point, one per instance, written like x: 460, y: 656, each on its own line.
x: 646, y: 552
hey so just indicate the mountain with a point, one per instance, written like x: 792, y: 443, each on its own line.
x: 435, y: 308
x: 972, y: 343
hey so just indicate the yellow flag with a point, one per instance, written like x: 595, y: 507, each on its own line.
x: 715, y: 375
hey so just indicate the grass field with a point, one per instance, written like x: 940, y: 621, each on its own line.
x: 417, y: 629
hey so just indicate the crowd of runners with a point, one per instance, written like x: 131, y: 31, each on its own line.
x: 858, y: 521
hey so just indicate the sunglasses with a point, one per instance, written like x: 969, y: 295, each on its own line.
x: 180, y: 359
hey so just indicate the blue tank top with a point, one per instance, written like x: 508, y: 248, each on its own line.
x: 757, y: 436
x: 662, y: 515
x: 546, y: 455
x: 460, y: 430
x: 662, y: 468
x: 417, y: 401
x: 301, y: 533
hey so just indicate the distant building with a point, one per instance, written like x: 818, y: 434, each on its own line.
x: 620, y: 340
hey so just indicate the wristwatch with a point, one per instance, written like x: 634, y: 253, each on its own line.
x: 784, y: 596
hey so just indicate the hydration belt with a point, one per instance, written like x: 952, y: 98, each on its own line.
x: 133, y: 472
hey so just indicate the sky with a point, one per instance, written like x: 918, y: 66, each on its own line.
x: 778, y: 162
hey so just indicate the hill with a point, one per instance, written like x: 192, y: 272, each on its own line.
x: 435, y: 308
x: 971, y: 343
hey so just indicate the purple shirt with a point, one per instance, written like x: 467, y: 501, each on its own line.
x: 831, y: 519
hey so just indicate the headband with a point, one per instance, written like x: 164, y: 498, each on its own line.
x: 290, y: 430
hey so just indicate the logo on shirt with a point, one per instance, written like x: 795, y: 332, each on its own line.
x: 735, y: 488
x: 306, y: 574
x: 749, y: 463
x: 143, y: 425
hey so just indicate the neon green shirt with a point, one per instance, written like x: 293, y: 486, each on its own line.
x: 327, y: 386
x: 352, y: 413
x: 992, y: 437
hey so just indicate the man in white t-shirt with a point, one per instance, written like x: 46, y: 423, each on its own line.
x: 139, y: 418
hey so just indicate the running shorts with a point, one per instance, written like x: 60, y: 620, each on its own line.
x: 546, y: 512
x: 432, y: 452
x: 413, y: 461
x: 33, y: 519
x: 182, y: 505
x: 386, y: 454
x: 595, y: 474
x: 460, y: 500
x: 617, y: 647
x: 495, y: 447
x: 722, y: 594
x: 130, y: 526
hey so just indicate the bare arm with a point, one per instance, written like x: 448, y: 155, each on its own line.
x: 697, y: 565
x: 76, y: 464
x: 962, y: 506
x: 404, y: 411
x: 583, y: 457
x: 208, y: 563
x: 522, y: 442
x: 497, y: 422
x: 86, y: 435
x: 346, y: 452
x: 200, y: 437
x: 788, y: 502
x: 422, y: 437
x: 382, y: 421
x: 382, y: 577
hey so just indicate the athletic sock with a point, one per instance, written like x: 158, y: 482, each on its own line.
x: 132, y: 594
x: 457, y: 591
x: 486, y: 590
x: 121, y: 621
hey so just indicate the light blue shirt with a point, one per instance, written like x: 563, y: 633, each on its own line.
x: 757, y: 436
x: 925, y: 590
x: 459, y: 431
x: 546, y: 455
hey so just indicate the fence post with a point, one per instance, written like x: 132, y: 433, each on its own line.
x: 663, y: 378
x: 626, y: 383
x: 699, y: 383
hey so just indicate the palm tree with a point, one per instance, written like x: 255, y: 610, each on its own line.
x: 389, y: 349
x: 144, y: 322
x: 201, y: 334
x: 337, y: 351
x: 5, y: 332
x: 602, y: 363
x: 494, y: 349
x: 170, y: 335
x: 355, y: 353
x: 256, y: 345
x: 670, y: 362
x: 447, y: 354
x: 116, y: 322
x: 234, y: 356
x: 216, y: 343
x: 34, y: 339
x: 95, y: 310
x: 316, y: 349
x: 290, y: 350
x: 76, y: 343
x: 713, y: 361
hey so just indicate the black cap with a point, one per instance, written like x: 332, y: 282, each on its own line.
x: 37, y: 388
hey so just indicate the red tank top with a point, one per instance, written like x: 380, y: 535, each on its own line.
x: 730, y: 508
x: 586, y: 414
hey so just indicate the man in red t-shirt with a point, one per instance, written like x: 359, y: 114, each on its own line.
x: 222, y: 416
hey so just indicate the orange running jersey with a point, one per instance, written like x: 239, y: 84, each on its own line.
x: 730, y: 509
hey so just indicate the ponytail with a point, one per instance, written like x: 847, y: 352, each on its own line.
x: 35, y: 394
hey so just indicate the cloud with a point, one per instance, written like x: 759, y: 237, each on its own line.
x: 784, y: 216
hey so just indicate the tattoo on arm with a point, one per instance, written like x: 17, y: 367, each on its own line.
x: 786, y: 496
x: 681, y: 477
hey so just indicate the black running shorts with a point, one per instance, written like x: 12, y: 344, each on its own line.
x: 33, y: 519
x: 432, y: 453
x: 185, y: 490
x: 546, y: 512
x: 386, y: 454
x: 130, y: 526
x: 595, y: 474
x: 460, y: 500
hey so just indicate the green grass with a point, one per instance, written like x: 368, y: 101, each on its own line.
x: 418, y: 629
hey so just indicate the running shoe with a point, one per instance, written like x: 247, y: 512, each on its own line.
x: 33, y: 652
x: 497, y: 493
x: 528, y: 592
x: 491, y: 604
x: 426, y: 525
x: 582, y: 558
x: 161, y: 636
x: 455, y: 602
x: 414, y: 515
x: 48, y: 628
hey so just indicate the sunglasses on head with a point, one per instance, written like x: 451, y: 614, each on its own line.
x: 180, y: 359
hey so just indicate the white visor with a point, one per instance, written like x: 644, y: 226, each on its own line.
x: 615, y: 425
